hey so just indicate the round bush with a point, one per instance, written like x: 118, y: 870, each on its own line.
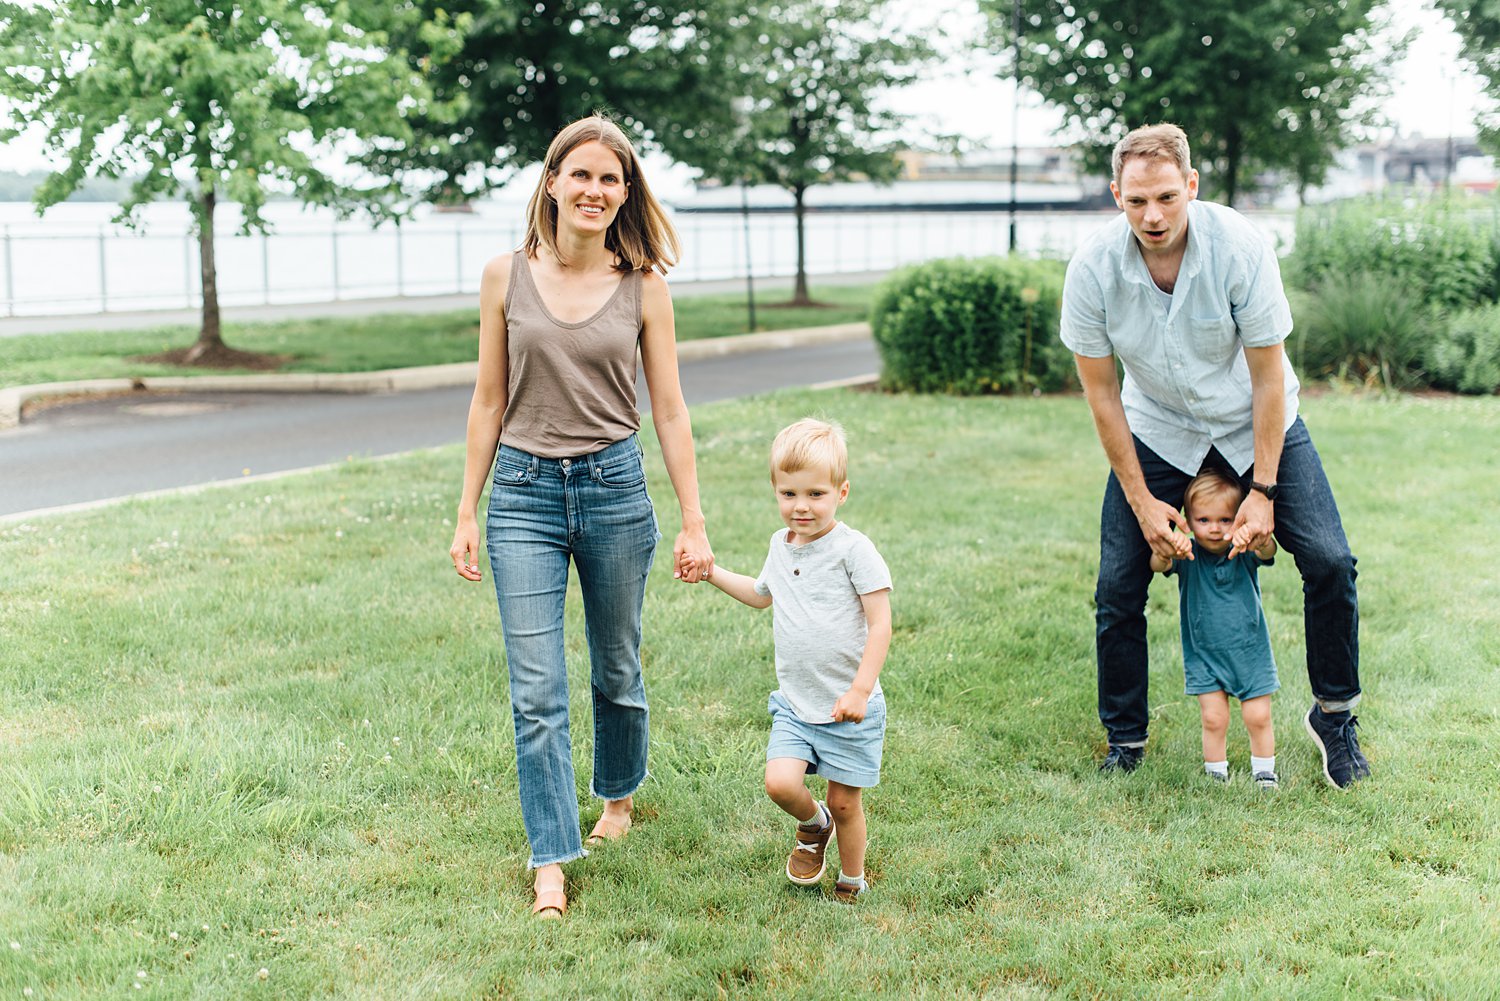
x: 969, y: 326
x: 1466, y: 355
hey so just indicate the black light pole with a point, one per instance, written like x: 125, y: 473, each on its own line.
x: 743, y: 106
x: 749, y: 271
x: 1015, y: 112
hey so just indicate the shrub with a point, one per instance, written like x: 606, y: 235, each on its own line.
x: 971, y: 326
x: 1446, y: 252
x: 1363, y: 326
x: 1465, y: 354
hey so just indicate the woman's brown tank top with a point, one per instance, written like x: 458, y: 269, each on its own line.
x: 570, y: 386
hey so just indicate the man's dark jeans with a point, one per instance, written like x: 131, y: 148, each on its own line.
x: 1307, y: 526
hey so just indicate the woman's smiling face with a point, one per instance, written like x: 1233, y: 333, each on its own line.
x: 589, y: 188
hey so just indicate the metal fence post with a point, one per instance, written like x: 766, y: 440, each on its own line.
x: 103, y: 276
x: 10, y: 281
x: 334, y: 234
x: 265, y: 267
x: 400, y: 265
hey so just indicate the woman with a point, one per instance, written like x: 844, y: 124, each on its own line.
x: 560, y: 323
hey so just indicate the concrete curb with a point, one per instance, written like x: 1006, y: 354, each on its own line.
x: 13, y: 401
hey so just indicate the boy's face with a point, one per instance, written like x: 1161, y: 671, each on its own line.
x: 809, y: 501
x: 1212, y: 521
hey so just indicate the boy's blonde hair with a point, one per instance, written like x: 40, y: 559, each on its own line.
x: 1209, y: 484
x: 1153, y: 142
x: 811, y: 444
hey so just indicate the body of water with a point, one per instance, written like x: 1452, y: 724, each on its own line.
x: 75, y: 260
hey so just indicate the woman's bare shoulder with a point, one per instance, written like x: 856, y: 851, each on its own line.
x: 654, y: 286
x: 498, y: 267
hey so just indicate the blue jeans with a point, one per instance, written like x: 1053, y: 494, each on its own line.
x: 594, y: 509
x: 1307, y: 526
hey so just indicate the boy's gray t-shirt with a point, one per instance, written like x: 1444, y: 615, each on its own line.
x: 819, y: 620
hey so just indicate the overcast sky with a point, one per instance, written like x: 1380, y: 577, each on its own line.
x: 1433, y: 92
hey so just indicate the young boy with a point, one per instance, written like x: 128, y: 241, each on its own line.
x: 1226, y: 647
x: 830, y: 593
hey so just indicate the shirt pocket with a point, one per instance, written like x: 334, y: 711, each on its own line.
x: 1214, y: 337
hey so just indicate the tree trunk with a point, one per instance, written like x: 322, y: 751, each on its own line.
x: 1231, y: 165
x: 210, y: 338
x: 799, y: 293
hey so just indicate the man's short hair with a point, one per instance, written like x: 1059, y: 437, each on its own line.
x: 1156, y: 142
x: 811, y: 444
x: 1209, y: 484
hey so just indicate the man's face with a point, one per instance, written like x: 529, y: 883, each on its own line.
x: 1154, y: 196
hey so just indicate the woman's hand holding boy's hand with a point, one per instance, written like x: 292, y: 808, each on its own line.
x: 692, y: 556
x: 850, y: 708
x: 689, y: 571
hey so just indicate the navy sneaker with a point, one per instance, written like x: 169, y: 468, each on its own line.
x: 1267, y: 781
x: 1122, y: 759
x: 1343, y: 764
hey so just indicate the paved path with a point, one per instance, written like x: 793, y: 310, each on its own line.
x: 120, y: 446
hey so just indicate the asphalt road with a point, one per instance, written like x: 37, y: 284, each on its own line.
x: 120, y: 446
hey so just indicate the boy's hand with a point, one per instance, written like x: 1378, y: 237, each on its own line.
x: 850, y: 708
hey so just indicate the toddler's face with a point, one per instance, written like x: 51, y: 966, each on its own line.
x: 809, y: 501
x: 1212, y: 522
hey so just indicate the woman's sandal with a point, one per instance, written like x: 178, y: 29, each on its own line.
x: 550, y: 904
x: 607, y: 830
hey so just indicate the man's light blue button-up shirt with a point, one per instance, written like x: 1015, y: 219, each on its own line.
x: 1187, y: 385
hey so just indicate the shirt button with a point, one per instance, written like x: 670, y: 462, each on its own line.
x: 796, y: 573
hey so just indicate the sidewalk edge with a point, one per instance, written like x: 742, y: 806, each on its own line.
x: 14, y: 400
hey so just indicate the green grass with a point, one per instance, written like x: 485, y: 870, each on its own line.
x: 266, y: 726
x: 365, y: 344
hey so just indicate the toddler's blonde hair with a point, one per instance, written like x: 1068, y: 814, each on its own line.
x: 811, y: 444
x: 1208, y: 484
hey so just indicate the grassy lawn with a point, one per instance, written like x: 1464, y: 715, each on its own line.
x: 265, y: 727
x: 364, y: 344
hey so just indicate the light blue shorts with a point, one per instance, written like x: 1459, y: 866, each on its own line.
x: 847, y: 753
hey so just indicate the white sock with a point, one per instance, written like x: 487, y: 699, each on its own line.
x: 819, y: 820
x: 1219, y: 768
x: 848, y: 880
x: 1258, y: 765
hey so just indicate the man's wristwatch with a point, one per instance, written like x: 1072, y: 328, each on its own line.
x: 1269, y: 489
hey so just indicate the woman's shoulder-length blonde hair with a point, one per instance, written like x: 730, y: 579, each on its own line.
x: 641, y: 236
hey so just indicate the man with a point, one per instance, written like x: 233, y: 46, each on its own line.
x: 1187, y: 295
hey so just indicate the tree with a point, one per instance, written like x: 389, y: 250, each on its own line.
x: 797, y: 103
x: 202, y: 101
x: 1478, y: 25
x: 506, y: 76
x: 1255, y: 84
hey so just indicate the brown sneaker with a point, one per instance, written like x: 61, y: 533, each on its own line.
x: 805, y: 865
x: 848, y: 893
